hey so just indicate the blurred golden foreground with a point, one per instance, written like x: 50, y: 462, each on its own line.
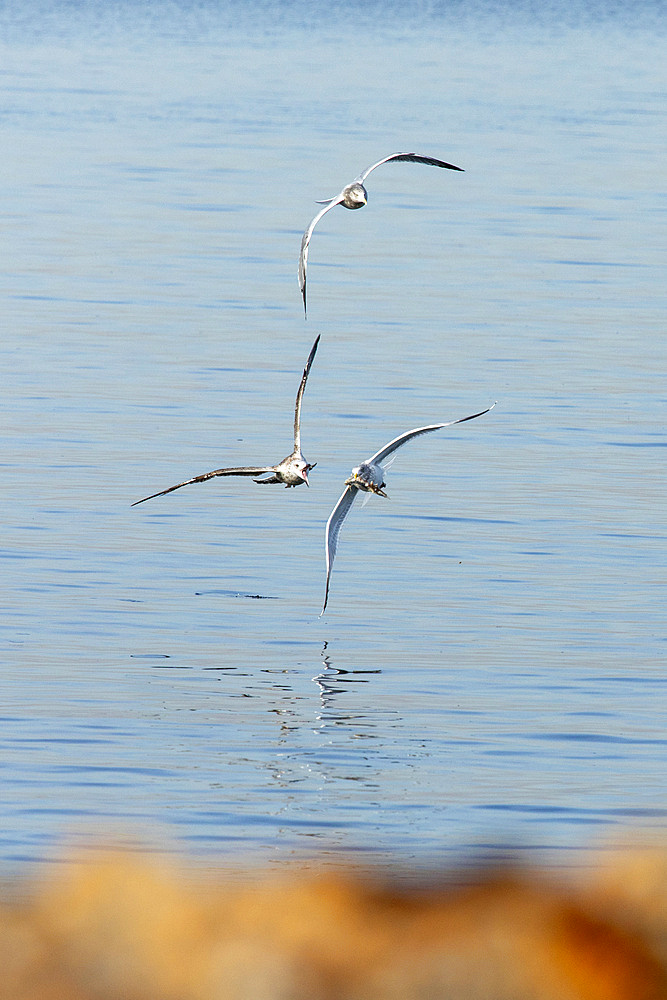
x: 129, y: 927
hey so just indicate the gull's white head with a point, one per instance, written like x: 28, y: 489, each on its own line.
x: 355, y: 476
x: 354, y: 196
x: 302, y: 468
x: 366, y: 477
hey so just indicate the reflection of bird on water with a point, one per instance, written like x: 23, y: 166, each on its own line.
x: 369, y: 477
x: 292, y: 471
x: 328, y: 681
x: 353, y: 196
x: 326, y: 678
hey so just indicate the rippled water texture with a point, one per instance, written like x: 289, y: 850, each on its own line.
x: 490, y: 669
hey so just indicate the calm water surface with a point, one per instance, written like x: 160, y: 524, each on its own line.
x: 490, y: 670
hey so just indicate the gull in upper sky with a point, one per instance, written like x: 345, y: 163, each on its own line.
x: 369, y: 477
x: 292, y: 471
x: 353, y: 196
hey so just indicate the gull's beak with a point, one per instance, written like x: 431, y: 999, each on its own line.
x: 306, y: 471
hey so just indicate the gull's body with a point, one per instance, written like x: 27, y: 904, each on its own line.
x: 292, y: 471
x: 369, y: 478
x: 353, y: 196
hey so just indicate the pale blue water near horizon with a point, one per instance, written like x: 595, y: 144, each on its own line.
x: 489, y: 675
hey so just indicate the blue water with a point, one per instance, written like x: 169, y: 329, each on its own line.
x: 489, y: 674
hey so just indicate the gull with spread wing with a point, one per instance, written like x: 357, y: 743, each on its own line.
x: 292, y: 471
x: 353, y: 196
x: 369, y: 477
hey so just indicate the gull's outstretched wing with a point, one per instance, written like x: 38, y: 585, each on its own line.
x: 254, y: 470
x: 403, y: 438
x: 305, y: 240
x: 299, y: 397
x: 408, y: 158
x: 336, y: 518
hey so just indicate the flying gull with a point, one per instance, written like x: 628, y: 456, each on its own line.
x: 369, y: 477
x: 353, y: 196
x: 292, y: 471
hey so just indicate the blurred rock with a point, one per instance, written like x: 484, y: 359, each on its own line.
x: 127, y: 927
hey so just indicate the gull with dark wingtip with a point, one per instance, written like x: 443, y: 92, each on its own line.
x: 353, y: 196
x: 369, y: 477
x: 292, y: 471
